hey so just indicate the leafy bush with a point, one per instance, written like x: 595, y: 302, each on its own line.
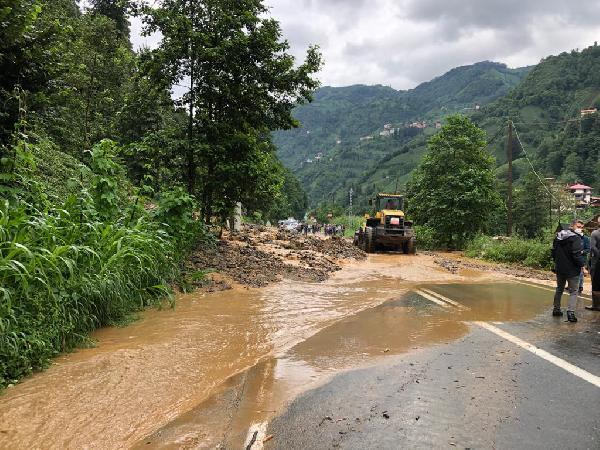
x: 528, y: 252
x: 175, y: 214
x: 426, y: 238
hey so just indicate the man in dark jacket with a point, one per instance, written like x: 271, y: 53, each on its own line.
x: 567, y: 253
x: 595, y: 268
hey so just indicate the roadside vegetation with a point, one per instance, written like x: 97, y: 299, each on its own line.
x: 515, y: 250
x: 107, y: 183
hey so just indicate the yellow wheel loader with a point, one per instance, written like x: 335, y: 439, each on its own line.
x: 387, y: 228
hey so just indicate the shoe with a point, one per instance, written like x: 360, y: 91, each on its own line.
x: 571, y: 316
x: 556, y: 312
x: 595, y: 302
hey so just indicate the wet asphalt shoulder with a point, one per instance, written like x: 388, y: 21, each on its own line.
x: 480, y: 391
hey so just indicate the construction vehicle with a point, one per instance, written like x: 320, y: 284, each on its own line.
x: 387, y: 228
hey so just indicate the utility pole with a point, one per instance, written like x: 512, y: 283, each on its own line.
x: 350, y: 207
x: 509, y: 201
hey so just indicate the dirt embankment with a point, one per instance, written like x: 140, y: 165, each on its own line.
x: 257, y: 256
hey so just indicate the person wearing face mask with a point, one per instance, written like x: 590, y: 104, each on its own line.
x: 567, y: 253
x: 595, y: 268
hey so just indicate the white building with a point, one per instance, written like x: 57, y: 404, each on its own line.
x: 582, y: 193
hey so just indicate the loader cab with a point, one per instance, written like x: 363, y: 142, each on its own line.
x: 394, y: 203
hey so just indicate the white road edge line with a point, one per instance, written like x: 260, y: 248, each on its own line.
x: 574, y: 370
x: 446, y: 299
x: 261, y: 430
x: 433, y: 299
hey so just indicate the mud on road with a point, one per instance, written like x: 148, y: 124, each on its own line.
x: 141, y: 383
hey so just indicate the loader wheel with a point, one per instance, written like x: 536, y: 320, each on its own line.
x: 369, y: 244
x: 411, y: 247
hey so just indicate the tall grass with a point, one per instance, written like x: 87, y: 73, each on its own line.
x: 67, y: 270
x: 527, y: 252
x: 62, y: 278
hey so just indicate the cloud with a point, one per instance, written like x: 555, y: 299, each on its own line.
x: 402, y: 43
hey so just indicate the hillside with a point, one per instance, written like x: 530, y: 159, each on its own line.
x: 546, y: 109
x: 327, y: 153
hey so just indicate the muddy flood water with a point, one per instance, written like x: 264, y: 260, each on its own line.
x: 200, y: 374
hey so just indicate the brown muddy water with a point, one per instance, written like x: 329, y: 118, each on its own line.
x: 201, y: 374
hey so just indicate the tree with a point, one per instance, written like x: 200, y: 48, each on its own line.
x: 241, y: 81
x: 532, y: 207
x: 453, y: 189
x: 116, y: 10
x: 89, y: 92
x: 29, y: 30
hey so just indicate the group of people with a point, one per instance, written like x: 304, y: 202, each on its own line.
x: 327, y: 229
x: 575, y: 255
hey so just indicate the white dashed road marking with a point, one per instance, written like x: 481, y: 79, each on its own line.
x: 433, y: 299
x: 574, y: 370
x: 445, y: 299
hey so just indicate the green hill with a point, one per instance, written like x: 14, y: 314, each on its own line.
x: 327, y: 153
x: 546, y: 109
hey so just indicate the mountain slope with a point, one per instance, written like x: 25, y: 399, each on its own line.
x: 327, y: 153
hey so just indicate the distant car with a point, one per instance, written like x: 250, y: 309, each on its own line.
x: 288, y: 225
x: 292, y: 226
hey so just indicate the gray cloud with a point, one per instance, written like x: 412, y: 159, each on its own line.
x: 405, y: 42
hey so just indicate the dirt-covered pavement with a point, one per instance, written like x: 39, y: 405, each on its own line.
x: 257, y: 256
x: 207, y: 373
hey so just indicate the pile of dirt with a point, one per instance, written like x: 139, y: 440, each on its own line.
x: 454, y: 265
x: 257, y: 256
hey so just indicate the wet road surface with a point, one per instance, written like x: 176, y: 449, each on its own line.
x: 480, y: 391
x: 321, y: 365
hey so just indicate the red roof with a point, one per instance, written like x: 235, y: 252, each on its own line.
x: 579, y: 186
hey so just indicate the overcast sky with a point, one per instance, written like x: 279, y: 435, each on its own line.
x: 402, y: 43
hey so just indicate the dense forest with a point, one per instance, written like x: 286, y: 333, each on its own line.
x: 108, y: 180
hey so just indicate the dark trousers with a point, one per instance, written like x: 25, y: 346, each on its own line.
x: 595, y: 275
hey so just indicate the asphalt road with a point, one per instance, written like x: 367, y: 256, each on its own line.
x: 483, y: 390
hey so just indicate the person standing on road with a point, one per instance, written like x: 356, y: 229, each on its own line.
x: 586, y: 252
x: 595, y: 268
x: 567, y: 253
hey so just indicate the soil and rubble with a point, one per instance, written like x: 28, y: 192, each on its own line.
x: 257, y: 256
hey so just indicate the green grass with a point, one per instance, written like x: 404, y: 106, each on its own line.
x: 526, y: 252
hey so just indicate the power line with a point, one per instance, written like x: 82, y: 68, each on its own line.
x: 491, y: 141
x: 531, y: 164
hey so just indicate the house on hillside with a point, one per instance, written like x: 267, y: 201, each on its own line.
x: 582, y: 194
x: 366, y: 138
x: 585, y: 112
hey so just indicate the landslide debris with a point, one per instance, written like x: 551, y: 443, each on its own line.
x: 258, y: 255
